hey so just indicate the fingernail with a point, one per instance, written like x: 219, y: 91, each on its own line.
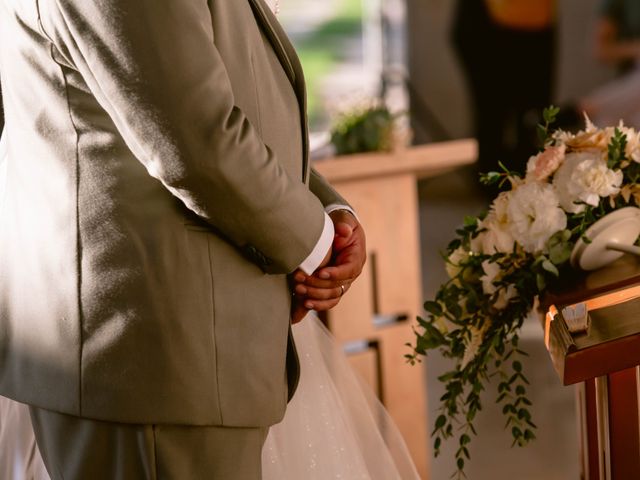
x: 308, y: 305
x: 324, y: 275
x: 300, y: 290
x: 299, y: 277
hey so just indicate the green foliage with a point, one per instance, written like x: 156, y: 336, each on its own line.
x: 560, y: 247
x: 616, y: 153
x: 549, y: 115
x: 478, y: 331
x: 498, y: 178
x: 370, y: 129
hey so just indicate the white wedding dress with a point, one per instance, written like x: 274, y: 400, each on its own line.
x: 334, y: 427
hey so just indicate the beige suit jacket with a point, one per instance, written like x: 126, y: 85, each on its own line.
x: 157, y: 195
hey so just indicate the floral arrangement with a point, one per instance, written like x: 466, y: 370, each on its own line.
x: 501, y: 263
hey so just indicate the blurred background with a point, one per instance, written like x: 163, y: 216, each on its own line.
x: 461, y: 85
x: 445, y: 70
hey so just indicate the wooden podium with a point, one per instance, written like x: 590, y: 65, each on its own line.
x: 604, y: 362
x: 374, y: 321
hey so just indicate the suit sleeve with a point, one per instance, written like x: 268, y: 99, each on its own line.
x: 324, y: 191
x: 153, y: 66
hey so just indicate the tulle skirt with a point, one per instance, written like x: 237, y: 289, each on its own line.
x: 334, y: 427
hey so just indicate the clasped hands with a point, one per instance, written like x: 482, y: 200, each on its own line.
x: 341, y: 266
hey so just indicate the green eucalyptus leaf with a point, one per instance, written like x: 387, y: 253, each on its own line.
x: 433, y: 308
x: 470, y: 221
x: 550, y: 267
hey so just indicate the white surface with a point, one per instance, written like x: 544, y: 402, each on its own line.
x: 621, y: 227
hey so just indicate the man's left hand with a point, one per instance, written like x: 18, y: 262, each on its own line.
x: 323, y: 290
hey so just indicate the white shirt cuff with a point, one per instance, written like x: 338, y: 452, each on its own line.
x: 337, y: 206
x: 313, y: 261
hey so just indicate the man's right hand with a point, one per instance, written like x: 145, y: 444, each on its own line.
x: 324, y: 289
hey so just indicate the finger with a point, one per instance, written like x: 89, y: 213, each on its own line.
x: 316, y: 282
x: 334, y: 276
x: 311, y: 293
x: 343, y: 216
x: 331, y: 282
x: 343, y: 272
x: 321, y: 305
x: 343, y: 230
x: 345, y: 236
x: 341, y: 243
x: 299, y: 276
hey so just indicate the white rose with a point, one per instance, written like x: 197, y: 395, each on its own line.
x: 493, y: 273
x: 584, y: 177
x: 504, y: 296
x: 497, y: 236
x: 476, y: 243
x: 632, y: 150
x: 535, y: 215
x: 455, y: 260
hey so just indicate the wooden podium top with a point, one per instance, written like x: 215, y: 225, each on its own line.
x: 422, y: 160
x: 613, y: 340
x: 621, y: 274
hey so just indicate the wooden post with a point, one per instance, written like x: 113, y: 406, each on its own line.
x: 374, y: 321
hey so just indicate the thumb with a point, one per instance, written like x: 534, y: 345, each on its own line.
x: 343, y: 229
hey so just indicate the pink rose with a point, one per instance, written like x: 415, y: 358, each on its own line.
x: 543, y: 165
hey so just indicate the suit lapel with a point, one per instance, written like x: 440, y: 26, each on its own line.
x: 291, y: 65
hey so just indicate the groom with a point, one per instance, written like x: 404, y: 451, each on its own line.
x: 158, y: 195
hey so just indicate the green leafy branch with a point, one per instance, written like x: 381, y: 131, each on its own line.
x: 549, y: 116
x: 616, y: 150
x: 498, y: 178
x: 466, y: 325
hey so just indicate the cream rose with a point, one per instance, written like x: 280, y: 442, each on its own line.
x: 591, y: 138
x: 632, y: 150
x: 584, y: 178
x: 497, y: 237
x: 493, y: 273
x: 535, y: 215
x: 455, y: 261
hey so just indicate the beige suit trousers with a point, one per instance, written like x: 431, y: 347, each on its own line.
x: 75, y: 448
